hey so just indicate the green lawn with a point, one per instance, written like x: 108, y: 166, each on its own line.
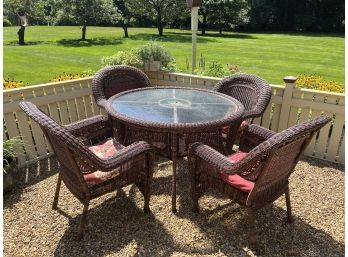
x: 51, y: 51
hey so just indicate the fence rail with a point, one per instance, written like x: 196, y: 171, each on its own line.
x: 70, y: 101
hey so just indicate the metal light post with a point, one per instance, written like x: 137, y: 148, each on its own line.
x: 194, y: 5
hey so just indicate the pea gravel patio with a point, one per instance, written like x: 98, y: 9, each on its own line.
x: 118, y: 227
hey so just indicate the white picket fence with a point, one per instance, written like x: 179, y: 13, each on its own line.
x: 70, y: 101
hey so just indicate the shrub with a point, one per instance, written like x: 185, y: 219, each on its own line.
x: 125, y: 58
x: 318, y: 83
x: 156, y: 52
x: 69, y: 76
x: 9, y: 147
x: 11, y: 83
x: 6, y: 23
x: 216, y: 69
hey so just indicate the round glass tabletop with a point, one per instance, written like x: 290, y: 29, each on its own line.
x: 174, y: 105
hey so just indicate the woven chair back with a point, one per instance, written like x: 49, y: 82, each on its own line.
x: 69, y: 151
x: 115, y: 79
x: 283, y: 151
x: 252, y: 91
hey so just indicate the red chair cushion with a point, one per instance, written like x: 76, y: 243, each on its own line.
x: 103, y: 150
x: 235, y: 180
x: 236, y: 157
x: 106, y: 149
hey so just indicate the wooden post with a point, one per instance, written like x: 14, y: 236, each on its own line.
x: 286, y: 102
x: 194, y: 28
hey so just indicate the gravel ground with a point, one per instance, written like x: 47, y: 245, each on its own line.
x: 118, y: 227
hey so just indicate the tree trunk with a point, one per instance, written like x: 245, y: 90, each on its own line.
x: 84, y: 28
x: 160, y: 30
x: 220, y: 30
x: 159, y: 23
x: 204, y: 23
x: 21, y: 35
x: 125, y: 29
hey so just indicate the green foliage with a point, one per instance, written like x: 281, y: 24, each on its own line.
x: 125, y: 58
x: 289, y: 15
x: 216, y: 69
x: 125, y: 11
x: 6, y: 23
x: 137, y: 56
x: 85, y: 12
x: 91, y: 11
x: 318, y: 83
x: 225, y: 14
x: 160, y: 12
x: 304, y: 22
x: 32, y: 9
x: 156, y: 52
x: 9, y: 149
x: 309, y: 15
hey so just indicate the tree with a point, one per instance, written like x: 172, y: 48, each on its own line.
x: 21, y: 12
x: 162, y: 11
x: 227, y: 14
x: 87, y: 12
x: 204, y: 12
x: 126, y: 15
x: 49, y: 11
x: 304, y: 15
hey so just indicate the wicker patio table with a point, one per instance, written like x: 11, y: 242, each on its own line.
x: 176, y: 111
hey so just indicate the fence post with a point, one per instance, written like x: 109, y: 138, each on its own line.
x: 286, y: 102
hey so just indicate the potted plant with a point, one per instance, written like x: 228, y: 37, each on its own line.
x: 10, y: 161
x: 155, y: 57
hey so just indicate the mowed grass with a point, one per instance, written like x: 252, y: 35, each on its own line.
x: 50, y: 51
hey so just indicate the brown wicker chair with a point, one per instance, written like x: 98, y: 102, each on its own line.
x: 112, y: 80
x: 91, y: 162
x: 259, y: 173
x: 253, y: 92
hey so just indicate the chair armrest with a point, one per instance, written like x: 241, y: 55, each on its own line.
x: 93, y: 127
x: 253, y: 136
x: 123, y: 156
x: 212, y: 157
x: 101, y: 102
x: 251, y: 114
x: 216, y: 163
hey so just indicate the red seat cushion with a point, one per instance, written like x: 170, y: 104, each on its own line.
x: 103, y: 150
x: 236, y: 157
x: 235, y: 180
x: 106, y: 149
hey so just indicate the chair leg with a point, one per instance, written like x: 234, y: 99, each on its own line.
x: 194, y: 196
x: 147, y: 195
x: 56, y: 195
x: 83, y: 221
x: 192, y: 163
x: 148, y: 183
x: 252, y: 232
x: 289, y: 217
x: 195, y: 205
